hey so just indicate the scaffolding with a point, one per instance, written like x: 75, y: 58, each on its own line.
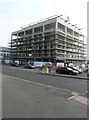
x: 50, y: 39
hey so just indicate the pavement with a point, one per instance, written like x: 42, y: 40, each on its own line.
x: 27, y: 97
x: 22, y: 98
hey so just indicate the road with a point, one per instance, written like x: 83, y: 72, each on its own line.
x: 71, y: 84
x: 27, y: 94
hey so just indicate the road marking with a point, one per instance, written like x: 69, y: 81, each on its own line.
x: 12, y: 67
x: 79, y: 99
x: 82, y: 100
x: 75, y: 95
x: 37, y: 83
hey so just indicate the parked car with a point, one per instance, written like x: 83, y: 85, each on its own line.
x: 77, y: 69
x: 14, y: 64
x: 86, y: 69
x: 66, y: 70
x: 29, y: 66
x: 88, y: 73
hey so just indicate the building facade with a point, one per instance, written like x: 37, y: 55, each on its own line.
x: 52, y: 39
x: 4, y: 54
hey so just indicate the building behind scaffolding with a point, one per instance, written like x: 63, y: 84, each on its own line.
x: 52, y: 39
x: 4, y: 54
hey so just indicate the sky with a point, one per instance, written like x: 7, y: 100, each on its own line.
x: 15, y: 14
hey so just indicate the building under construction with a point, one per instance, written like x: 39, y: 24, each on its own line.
x: 53, y: 39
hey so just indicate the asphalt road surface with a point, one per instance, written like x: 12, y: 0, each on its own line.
x: 27, y: 94
x: 71, y: 84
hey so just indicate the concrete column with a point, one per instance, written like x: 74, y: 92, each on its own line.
x: 32, y: 32
x: 83, y: 46
x: 24, y: 34
x: 11, y: 37
x: 43, y: 29
x: 56, y: 27
x: 11, y: 46
x: 65, y: 43
x: 17, y: 38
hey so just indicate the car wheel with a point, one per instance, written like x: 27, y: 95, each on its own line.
x: 70, y: 73
x: 58, y: 72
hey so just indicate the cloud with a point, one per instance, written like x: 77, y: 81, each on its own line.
x: 17, y: 13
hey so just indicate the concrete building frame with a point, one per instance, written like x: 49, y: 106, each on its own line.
x: 52, y: 39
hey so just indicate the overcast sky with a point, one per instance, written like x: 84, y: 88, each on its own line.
x: 16, y: 13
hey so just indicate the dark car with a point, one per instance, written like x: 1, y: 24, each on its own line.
x: 29, y: 66
x: 66, y: 70
x: 14, y: 64
x: 88, y: 72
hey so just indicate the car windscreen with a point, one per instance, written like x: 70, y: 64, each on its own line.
x: 62, y: 68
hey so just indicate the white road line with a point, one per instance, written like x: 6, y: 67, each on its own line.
x: 74, y: 95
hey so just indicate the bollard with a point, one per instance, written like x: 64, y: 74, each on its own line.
x: 47, y: 70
